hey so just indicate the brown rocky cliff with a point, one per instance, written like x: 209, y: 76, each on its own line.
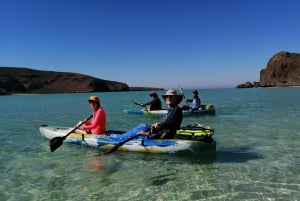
x: 283, y: 69
x: 25, y: 80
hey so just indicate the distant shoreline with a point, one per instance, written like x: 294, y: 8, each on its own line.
x: 130, y: 89
x: 145, y: 89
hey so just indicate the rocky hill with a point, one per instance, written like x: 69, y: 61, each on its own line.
x: 25, y: 80
x: 283, y: 70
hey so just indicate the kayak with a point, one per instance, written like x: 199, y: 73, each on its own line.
x: 204, y: 110
x: 138, y: 144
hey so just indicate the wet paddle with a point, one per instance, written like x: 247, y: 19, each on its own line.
x: 116, y: 147
x: 58, y: 141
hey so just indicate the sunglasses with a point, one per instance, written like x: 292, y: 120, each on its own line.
x: 92, y: 102
x: 170, y: 97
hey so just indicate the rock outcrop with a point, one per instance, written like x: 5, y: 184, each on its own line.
x: 25, y: 80
x: 248, y: 85
x: 282, y: 70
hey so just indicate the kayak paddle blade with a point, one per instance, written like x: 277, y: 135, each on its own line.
x: 56, y: 142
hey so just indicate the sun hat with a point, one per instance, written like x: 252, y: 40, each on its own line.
x: 94, y: 99
x: 172, y: 92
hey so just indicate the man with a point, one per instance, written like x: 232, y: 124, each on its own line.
x: 167, y: 128
x: 155, y: 103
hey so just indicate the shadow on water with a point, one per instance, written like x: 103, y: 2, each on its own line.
x: 161, y: 179
x: 115, y: 161
x: 237, y: 155
x: 234, y: 155
x: 179, y: 158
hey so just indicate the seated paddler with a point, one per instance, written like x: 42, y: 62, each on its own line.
x: 172, y: 122
x: 97, y: 124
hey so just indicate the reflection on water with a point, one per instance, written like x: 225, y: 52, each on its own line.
x: 96, y: 163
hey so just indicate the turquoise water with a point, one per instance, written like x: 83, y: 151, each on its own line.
x: 258, y: 154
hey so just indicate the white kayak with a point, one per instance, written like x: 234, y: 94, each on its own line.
x: 138, y: 144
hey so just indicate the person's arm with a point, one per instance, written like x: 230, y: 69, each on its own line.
x: 147, y: 103
x: 170, y: 122
x: 87, y: 122
x: 98, y: 116
x: 198, y: 102
x: 188, y: 100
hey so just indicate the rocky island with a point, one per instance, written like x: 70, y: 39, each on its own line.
x: 14, y: 80
x: 283, y: 70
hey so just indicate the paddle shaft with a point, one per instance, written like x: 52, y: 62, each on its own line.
x: 145, y: 108
x: 136, y: 103
x: 76, y: 127
x: 116, y: 147
x: 181, y: 91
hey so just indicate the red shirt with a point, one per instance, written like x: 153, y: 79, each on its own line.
x: 98, y: 122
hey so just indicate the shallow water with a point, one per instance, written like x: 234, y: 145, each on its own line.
x: 257, y: 158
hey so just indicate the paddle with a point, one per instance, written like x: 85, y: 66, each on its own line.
x: 116, y: 147
x: 136, y: 103
x: 181, y: 91
x: 58, y: 141
x: 145, y: 108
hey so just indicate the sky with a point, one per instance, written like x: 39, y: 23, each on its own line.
x: 150, y: 43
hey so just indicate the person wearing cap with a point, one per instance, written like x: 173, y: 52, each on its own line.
x: 98, y: 122
x: 196, y: 101
x: 167, y: 128
x: 155, y: 103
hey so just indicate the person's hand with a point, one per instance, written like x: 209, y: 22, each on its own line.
x: 155, y: 125
x: 78, y: 124
x: 144, y: 132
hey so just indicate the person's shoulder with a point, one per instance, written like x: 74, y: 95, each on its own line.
x: 177, y: 107
x: 101, y: 109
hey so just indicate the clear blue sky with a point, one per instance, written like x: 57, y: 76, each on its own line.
x: 157, y: 43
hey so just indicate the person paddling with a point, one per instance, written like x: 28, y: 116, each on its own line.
x: 155, y: 103
x: 196, y: 101
x: 98, y: 122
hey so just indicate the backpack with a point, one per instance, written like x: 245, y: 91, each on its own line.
x: 197, y: 132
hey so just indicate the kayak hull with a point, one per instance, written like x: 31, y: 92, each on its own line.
x: 138, y: 144
x: 205, y: 110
